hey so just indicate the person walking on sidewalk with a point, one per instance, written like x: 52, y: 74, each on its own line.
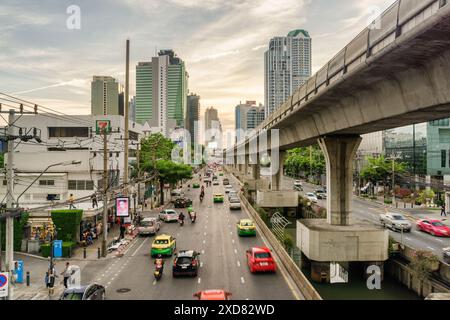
x: 443, y: 213
x: 66, y: 274
x: 71, y: 202
x: 94, y: 201
x: 50, y: 277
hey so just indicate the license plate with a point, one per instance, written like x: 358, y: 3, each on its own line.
x: 264, y: 264
x: 183, y: 267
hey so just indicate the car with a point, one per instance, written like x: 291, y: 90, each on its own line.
x: 246, y: 227
x: 90, y: 292
x: 434, y: 227
x: 215, y: 177
x: 221, y: 174
x: 186, y: 262
x: 212, y: 295
x: 218, y: 198
x: 235, y: 203
x: 149, y: 226
x: 226, y: 182
x: 168, y: 215
x: 164, y: 245
x: 446, y: 254
x: 260, y: 259
x: 228, y: 188
x: 321, y: 194
x: 182, y: 202
x: 176, y: 193
x: 298, y: 183
x: 216, y: 183
x: 298, y: 188
x: 196, y: 185
x: 395, y: 221
x: 311, y: 197
x: 232, y: 194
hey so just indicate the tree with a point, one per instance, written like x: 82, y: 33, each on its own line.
x: 155, y: 147
x: 171, y: 172
x: 301, y: 162
x: 2, y: 160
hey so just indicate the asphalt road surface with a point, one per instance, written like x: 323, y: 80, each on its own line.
x: 369, y: 211
x: 222, y: 257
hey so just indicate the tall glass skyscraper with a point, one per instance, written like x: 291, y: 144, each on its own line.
x: 193, y: 116
x: 247, y: 117
x: 161, y: 91
x: 287, y: 66
x: 104, y: 96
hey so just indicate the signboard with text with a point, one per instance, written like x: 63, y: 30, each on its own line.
x: 4, y: 283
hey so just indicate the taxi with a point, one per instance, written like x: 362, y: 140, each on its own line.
x: 164, y: 245
x: 196, y: 185
x: 246, y: 227
x: 212, y: 295
x: 218, y: 198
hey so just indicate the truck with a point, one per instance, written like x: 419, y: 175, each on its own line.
x: 395, y: 221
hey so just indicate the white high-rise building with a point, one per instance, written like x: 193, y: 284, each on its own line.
x: 287, y: 66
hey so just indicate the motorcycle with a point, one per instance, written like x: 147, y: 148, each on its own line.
x: 181, y: 221
x: 193, y: 216
x: 158, y: 272
x: 201, y: 197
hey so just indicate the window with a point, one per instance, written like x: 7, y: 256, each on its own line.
x: 46, y: 182
x: 443, y: 158
x: 440, y: 123
x: 68, y: 132
x: 81, y: 185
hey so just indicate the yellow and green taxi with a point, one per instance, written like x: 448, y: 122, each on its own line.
x: 196, y: 185
x: 218, y: 198
x: 246, y: 227
x: 164, y: 245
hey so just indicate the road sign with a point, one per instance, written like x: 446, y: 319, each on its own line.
x: 101, y: 125
x: 4, y: 283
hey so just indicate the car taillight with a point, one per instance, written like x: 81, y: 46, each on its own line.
x: 174, y: 263
x: 194, y: 263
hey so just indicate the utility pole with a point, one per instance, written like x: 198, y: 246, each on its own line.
x: 393, y: 158
x: 127, y: 106
x: 138, y: 158
x: 105, y: 190
x: 9, y: 248
x: 310, y: 162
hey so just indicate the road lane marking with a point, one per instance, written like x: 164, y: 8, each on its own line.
x: 134, y: 253
x: 242, y: 280
x: 431, y: 248
x: 201, y: 264
x: 204, y: 241
x: 199, y: 280
x: 204, y: 234
x: 203, y: 251
x: 238, y: 264
x: 235, y: 251
x: 154, y: 282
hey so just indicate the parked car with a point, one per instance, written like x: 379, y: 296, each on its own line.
x: 149, y: 226
x: 434, y: 227
x: 395, y: 221
x: 186, y: 262
x: 311, y: 197
x: 90, y: 292
x: 260, y: 259
x: 182, y: 202
x: 235, y: 203
x: 212, y: 295
x: 176, y: 193
x: 168, y: 215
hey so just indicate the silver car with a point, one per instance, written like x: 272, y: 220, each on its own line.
x: 149, y: 226
x: 235, y: 203
x: 168, y: 215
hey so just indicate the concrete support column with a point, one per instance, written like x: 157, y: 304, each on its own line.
x: 339, y: 154
x: 246, y: 162
x: 278, y: 176
x: 256, y: 168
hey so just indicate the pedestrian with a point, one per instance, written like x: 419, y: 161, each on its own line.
x: 122, y: 231
x: 443, y: 213
x: 50, y: 279
x: 71, y: 202
x: 94, y: 201
x: 66, y: 274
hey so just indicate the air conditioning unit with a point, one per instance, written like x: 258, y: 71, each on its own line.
x: 53, y: 197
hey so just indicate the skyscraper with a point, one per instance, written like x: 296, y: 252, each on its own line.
x: 248, y: 116
x: 287, y: 66
x: 161, y: 91
x: 213, y: 126
x: 104, y: 96
x: 193, y: 116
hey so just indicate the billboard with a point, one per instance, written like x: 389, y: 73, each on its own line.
x: 122, y: 207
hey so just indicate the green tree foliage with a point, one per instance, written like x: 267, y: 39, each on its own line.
x: 2, y: 160
x: 300, y: 161
x: 171, y: 172
x: 155, y: 147
x: 380, y: 169
x: 19, y: 225
x: 423, y: 263
x: 67, y: 223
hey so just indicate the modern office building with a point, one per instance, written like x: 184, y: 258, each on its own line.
x: 193, y: 116
x: 248, y: 116
x: 132, y: 110
x: 161, y: 92
x: 213, y: 127
x: 288, y: 65
x: 104, y: 96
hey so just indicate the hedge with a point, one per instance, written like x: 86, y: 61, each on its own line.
x: 66, y: 248
x: 19, y: 225
x: 67, y: 223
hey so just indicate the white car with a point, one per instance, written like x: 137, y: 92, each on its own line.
x: 235, y: 203
x: 232, y: 194
x: 149, y: 226
x: 395, y: 221
x: 228, y: 188
x: 311, y: 197
x: 168, y: 215
x: 216, y: 183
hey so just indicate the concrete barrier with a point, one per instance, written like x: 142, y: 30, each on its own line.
x: 303, y: 284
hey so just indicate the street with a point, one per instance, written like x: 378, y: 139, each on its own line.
x: 369, y: 211
x: 223, y: 260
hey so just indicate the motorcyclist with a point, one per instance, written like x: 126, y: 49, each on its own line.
x: 193, y: 216
x: 159, y: 263
x: 181, y: 218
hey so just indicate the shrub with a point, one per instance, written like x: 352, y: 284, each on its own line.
x: 19, y: 225
x: 67, y: 223
x: 423, y: 263
x: 387, y: 201
x: 288, y: 242
x: 66, y: 248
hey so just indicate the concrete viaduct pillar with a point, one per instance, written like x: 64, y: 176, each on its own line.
x: 339, y: 154
x: 278, y: 175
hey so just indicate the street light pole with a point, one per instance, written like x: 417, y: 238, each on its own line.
x: 105, y: 192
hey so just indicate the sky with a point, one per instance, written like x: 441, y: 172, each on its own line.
x: 47, y: 58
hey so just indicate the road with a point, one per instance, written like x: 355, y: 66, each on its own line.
x: 369, y: 211
x: 223, y: 260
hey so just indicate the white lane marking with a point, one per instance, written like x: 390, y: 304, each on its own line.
x: 235, y: 251
x: 440, y: 240
x: 238, y: 264
x: 232, y: 240
x: 231, y: 232
x: 134, y: 253
x: 204, y: 241
x: 407, y: 238
x: 154, y: 282
x: 109, y: 283
x: 199, y: 280
x: 201, y: 264
x: 203, y: 251
x: 204, y: 234
x: 242, y: 280
x: 431, y: 248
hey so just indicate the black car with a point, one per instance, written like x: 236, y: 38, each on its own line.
x: 186, y: 262
x: 182, y: 203
x: 89, y: 292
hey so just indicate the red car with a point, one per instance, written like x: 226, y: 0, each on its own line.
x: 260, y: 259
x: 433, y: 227
x: 212, y: 295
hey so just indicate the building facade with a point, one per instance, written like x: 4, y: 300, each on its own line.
x: 288, y: 65
x: 161, y: 92
x: 248, y: 116
x: 193, y: 116
x: 104, y: 96
x: 213, y: 127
